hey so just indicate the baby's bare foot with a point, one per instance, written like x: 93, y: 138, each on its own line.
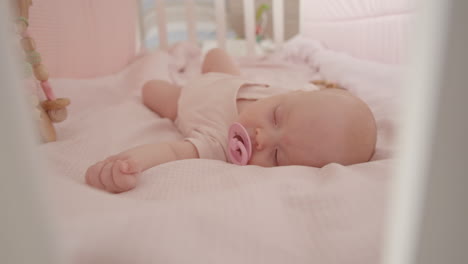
x: 115, y: 174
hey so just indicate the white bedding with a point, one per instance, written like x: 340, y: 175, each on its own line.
x: 204, y: 211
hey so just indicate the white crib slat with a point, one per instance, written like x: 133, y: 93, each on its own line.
x: 161, y: 21
x: 141, y: 37
x: 249, y: 26
x: 278, y: 22
x: 191, y: 20
x: 220, y: 8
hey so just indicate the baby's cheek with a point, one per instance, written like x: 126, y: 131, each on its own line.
x: 259, y: 160
x: 241, y: 119
x: 247, y: 122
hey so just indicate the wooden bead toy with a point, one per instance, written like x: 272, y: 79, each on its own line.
x: 28, y: 44
x: 41, y: 72
x: 34, y: 58
x: 21, y: 27
x: 52, y: 109
x: 56, y: 109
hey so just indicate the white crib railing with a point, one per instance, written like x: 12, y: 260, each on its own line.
x: 220, y: 16
x: 191, y: 20
x: 220, y: 12
x: 161, y: 21
x: 278, y: 22
x: 249, y: 26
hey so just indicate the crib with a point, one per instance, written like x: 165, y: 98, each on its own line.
x: 219, y: 10
x: 203, y: 211
x: 65, y: 39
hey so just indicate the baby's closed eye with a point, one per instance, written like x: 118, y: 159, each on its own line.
x: 275, y: 116
x: 276, y: 157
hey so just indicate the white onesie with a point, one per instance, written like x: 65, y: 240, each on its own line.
x: 208, y: 106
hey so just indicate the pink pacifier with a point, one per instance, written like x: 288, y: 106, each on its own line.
x: 240, y: 147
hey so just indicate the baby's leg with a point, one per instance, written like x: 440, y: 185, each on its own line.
x: 217, y: 60
x: 161, y: 97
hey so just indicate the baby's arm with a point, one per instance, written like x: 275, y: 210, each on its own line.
x: 119, y: 173
x: 217, y: 60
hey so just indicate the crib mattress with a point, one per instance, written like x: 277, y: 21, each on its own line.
x: 206, y: 211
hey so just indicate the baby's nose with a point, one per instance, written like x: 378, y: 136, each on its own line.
x: 260, y: 139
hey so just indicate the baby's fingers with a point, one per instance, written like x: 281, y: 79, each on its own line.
x: 129, y: 167
x: 119, y: 156
x: 93, y: 175
x: 123, y: 180
x: 108, y: 179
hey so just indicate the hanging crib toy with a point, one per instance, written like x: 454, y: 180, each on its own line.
x: 261, y: 18
x: 52, y: 109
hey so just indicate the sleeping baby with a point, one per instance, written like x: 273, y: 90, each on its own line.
x: 226, y: 117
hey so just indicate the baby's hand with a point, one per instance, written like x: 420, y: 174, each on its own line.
x: 115, y: 174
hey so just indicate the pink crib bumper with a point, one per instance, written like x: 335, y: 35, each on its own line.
x: 80, y: 39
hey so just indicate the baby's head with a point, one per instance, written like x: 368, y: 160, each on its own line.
x: 311, y: 128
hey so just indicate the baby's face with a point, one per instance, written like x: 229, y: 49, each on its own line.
x: 309, y: 128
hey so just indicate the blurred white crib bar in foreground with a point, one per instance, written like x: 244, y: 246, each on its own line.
x: 220, y: 15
